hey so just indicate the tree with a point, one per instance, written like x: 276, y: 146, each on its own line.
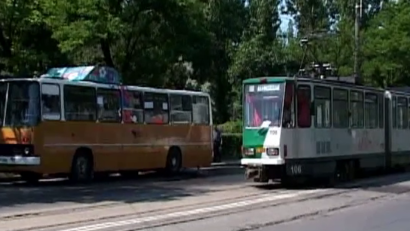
x: 387, y: 46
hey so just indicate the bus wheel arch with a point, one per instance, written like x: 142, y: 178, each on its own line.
x: 174, y: 160
x: 82, y: 166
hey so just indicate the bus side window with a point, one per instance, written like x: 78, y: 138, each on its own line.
x: 50, y: 101
x: 200, y: 110
x: 303, y: 106
x: 109, y: 105
x: 132, y: 107
x: 156, y: 108
x: 80, y: 103
x: 181, y: 108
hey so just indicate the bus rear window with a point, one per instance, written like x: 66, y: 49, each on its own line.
x: 200, y: 110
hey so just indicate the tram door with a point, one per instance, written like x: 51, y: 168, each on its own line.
x: 322, y: 122
x: 303, y: 137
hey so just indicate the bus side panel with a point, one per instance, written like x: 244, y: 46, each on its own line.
x: 197, y: 151
x: 143, y: 149
x: 62, y: 139
x: 146, y: 147
x: 51, y: 142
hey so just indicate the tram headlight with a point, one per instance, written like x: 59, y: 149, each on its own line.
x: 248, y: 151
x: 272, y: 151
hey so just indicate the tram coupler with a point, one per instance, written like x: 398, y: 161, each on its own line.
x: 258, y: 174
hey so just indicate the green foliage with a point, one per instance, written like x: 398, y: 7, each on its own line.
x: 231, y: 127
x: 214, y: 43
x: 231, y: 147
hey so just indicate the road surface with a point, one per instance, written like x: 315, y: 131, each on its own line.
x: 217, y: 199
x: 391, y: 215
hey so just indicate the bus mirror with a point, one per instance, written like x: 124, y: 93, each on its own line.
x: 312, y: 108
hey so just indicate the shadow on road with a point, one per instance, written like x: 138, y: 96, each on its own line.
x: 147, y: 188
x: 391, y: 183
x: 395, y: 183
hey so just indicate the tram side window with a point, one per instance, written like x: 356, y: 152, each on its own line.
x: 340, y: 108
x: 323, y: 107
x: 408, y: 113
x: 50, y: 100
x: 200, y: 110
x: 401, y: 113
x: 181, y: 108
x: 303, y: 104
x: 381, y: 111
x: 80, y: 103
x: 109, y: 105
x: 394, y: 110
x: 370, y: 110
x: 356, y: 108
x: 132, y: 107
x: 156, y: 108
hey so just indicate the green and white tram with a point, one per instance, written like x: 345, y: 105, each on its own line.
x: 314, y: 128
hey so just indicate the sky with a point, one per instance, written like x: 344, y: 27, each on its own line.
x: 285, y: 22
x: 284, y: 18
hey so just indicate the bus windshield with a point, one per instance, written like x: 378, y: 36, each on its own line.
x: 22, y: 103
x: 263, y: 104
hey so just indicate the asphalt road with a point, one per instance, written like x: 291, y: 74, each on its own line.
x: 18, y: 197
x: 389, y: 215
x: 377, y: 205
x: 216, y: 199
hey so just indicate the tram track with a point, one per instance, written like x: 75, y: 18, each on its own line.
x: 77, y: 208
x: 344, y: 199
x: 138, y: 197
x: 239, y: 191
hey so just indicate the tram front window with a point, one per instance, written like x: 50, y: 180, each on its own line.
x: 263, y: 104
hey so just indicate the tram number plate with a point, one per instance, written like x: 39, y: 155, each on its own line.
x: 296, y: 169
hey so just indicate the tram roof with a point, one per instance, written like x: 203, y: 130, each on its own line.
x: 266, y: 79
x: 345, y: 82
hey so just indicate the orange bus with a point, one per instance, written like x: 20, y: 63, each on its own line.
x: 70, y: 124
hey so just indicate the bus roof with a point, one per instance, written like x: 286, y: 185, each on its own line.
x: 86, y: 83
x: 97, y: 73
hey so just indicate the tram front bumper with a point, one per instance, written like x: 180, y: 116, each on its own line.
x: 262, y: 162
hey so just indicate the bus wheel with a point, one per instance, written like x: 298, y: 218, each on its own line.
x: 82, y: 168
x: 174, y: 161
x: 30, y: 177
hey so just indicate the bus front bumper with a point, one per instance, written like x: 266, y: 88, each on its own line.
x: 20, y: 160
